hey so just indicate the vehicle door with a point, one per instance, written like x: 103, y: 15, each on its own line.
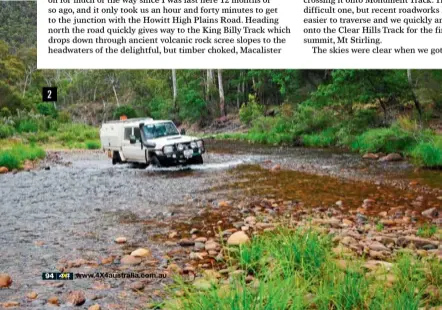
x: 129, y: 150
x: 139, y: 152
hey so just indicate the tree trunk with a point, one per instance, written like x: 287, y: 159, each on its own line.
x: 175, y: 90
x: 116, y: 97
x: 417, y: 104
x: 222, y: 103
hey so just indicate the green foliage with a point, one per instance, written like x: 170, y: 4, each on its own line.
x: 92, y: 145
x: 427, y: 231
x: 47, y: 109
x: 27, y: 125
x: 13, y: 158
x: 387, y: 140
x: 324, y: 138
x: 124, y: 110
x: 64, y: 117
x: 250, y: 111
x: 428, y: 153
x: 4, y: 112
x: 6, y: 131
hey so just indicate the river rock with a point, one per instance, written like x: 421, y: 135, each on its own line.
x: 391, y: 157
x: 432, y: 212
x: 10, y: 304
x: 275, y: 168
x: 174, y: 268
x: 250, y: 220
x: 186, y: 242
x: 371, y: 156
x: 3, y: 170
x: 5, y: 280
x: 223, y: 204
x: 201, y: 239
x: 120, y: 240
x: 107, y: 260
x: 212, y: 246
x: 419, y: 243
x: 170, y: 243
x: 94, y: 307
x: 76, y: 298
x: 173, y: 234
x: 199, y: 246
x: 136, y: 286
x: 238, y: 238
x: 141, y: 252
x: 130, y: 260
x: 377, y: 246
x: 31, y: 295
x: 264, y: 225
x: 195, y: 256
x: 53, y: 300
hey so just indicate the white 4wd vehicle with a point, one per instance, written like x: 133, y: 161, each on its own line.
x: 146, y: 141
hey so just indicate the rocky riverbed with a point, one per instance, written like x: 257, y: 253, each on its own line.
x: 78, y: 213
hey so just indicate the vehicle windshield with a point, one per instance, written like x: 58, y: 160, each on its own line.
x: 153, y: 131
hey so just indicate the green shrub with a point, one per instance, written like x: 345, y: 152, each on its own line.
x: 27, y: 125
x: 47, y: 109
x: 250, y: 111
x: 428, y: 154
x: 5, y: 112
x: 92, y: 145
x: 64, y: 117
x: 124, y: 110
x: 388, y: 140
x: 325, y: 138
x: 6, y: 131
x: 13, y: 158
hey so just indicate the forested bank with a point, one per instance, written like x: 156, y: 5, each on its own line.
x: 363, y: 110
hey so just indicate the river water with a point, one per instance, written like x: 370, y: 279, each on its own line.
x: 75, y: 211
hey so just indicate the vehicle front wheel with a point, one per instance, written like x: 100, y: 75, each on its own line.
x: 154, y: 161
x: 197, y: 160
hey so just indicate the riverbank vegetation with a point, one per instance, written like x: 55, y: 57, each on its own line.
x: 303, y: 260
x: 361, y: 110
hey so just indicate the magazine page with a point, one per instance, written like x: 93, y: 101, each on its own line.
x: 221, y: 154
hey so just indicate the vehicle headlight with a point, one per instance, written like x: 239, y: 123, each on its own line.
x: 180, y: 147
x: 193, y: 145
x: 200, y: 144
x: 168, y: 149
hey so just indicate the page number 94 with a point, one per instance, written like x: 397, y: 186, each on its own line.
x: 49, y: 94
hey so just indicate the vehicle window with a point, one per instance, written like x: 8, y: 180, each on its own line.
x: 137, y: 133
x: 127, y: 133
x: 160, y: 130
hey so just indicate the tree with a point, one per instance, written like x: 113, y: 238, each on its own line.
x: 175, y: 90
x: 222, y: 103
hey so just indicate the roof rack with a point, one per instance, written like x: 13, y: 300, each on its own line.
x: 129, y: 120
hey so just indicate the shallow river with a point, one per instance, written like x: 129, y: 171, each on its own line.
x: 52, y: 217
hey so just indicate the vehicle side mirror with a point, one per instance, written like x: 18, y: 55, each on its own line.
x: 132, y: 140
x: 183, y: 131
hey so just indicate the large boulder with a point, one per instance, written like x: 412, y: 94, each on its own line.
x: 238, y: 238
x: 141, y: 252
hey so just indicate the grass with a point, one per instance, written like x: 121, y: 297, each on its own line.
x: 14, y: 157
x: 298, y: 270
x: 427, y: 231
x: 92, y: 145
